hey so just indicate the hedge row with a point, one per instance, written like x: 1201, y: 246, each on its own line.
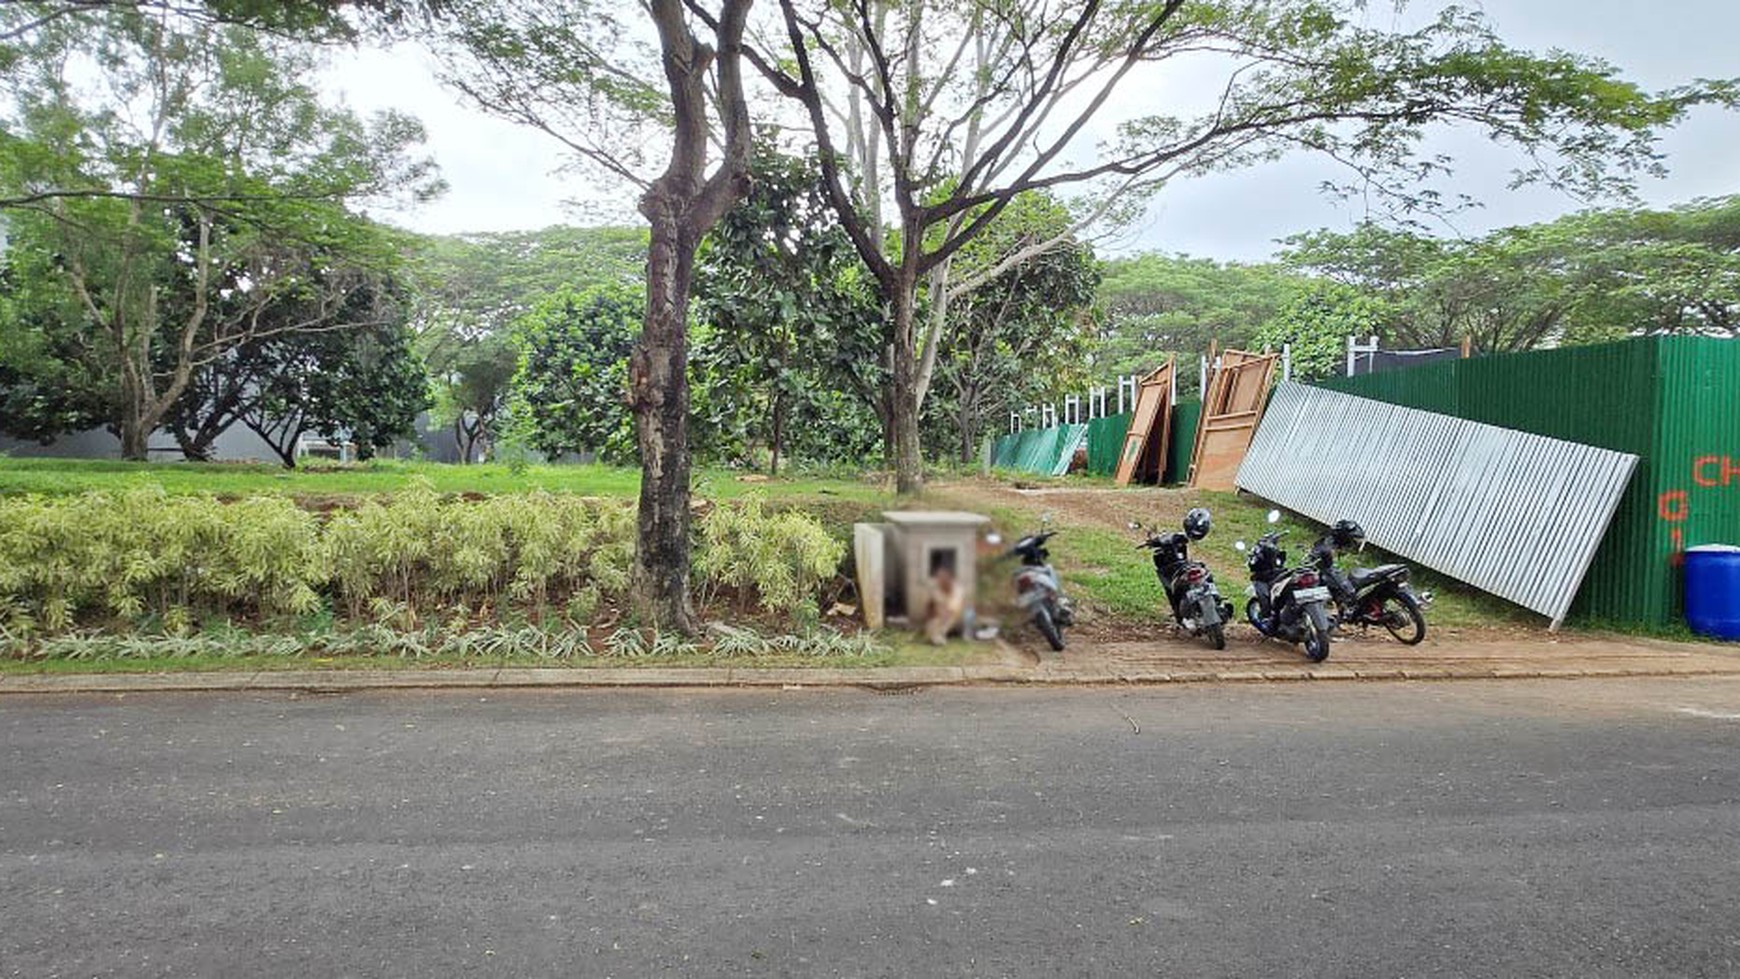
x: 143, y: 554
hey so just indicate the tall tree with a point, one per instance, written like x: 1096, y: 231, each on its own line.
x: 365, y: 387
x: 1154, y: 304
x: 970, y: 103
x: 787, y: 355
x: 470, y: 288
x: 571, y: 391
x: 191, y: 191
x: 1019, y: 338
x: 649, y: 116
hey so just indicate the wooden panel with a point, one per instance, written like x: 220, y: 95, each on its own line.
x: 1231, y: 408
x: 1146, y: 441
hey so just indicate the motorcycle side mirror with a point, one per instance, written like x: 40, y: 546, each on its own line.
x: 1045, y: 519
x: 993, y: 538
x: 1239, y: 546
x: 1274, y: 516
x: 1133, y: 525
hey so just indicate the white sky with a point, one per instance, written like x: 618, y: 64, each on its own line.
x: 506, y: 177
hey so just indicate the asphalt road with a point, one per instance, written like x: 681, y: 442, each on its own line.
x: 1544, y: 828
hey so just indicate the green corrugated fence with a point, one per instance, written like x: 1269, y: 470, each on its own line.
x: 1668, y: 400
x: 1105, y: 438
x: 1185, y: 415
x: 1040, y: 451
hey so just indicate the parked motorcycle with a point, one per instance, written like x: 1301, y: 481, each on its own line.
x: 1038, y: 590
x: 1286, y: 603
x: 1368, y: 597
x: 1197, y: 606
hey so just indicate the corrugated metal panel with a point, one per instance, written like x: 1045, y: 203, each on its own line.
x: 1069, y: 439
x: 1516, y: 514
x: 1429, y: 387
x: 1105, y: 437
x: 1185, y: 416
x: 1695, y: 498
x: 1043, y: 452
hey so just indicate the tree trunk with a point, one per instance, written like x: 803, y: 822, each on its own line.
x: 903, y: 410
x: 658, y: 372
x: 136, y: 423
x: 967, y: 433
x: 681, y: 205
x: 778, y: 431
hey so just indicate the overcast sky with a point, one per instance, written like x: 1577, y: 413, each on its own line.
x: 505, y: 177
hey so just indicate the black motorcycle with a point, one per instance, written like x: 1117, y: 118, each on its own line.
x: 1039, y: 591
x: 1369, y: 596
x: 1286, y: 603
x: 1197, y: 606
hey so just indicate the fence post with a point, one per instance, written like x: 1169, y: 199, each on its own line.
x: 1355, y: 348
x: 1072, y: 409
x: 1286, y: 362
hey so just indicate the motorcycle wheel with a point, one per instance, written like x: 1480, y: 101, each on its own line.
x: 1048, y: 627
x: 1402, y: 616
x: 1216, y: 635
x: 1254, y: 615
x: 1316, y: 634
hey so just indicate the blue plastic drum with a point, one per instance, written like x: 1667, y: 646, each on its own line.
x: 1713, y: 590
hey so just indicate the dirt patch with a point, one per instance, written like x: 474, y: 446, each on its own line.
x: 1107, y: 507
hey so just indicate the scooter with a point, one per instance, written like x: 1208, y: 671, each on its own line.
x: 1369, y: 596
x: 1286, y: 604
x: 1038, y: 590
x: 1196, y: 602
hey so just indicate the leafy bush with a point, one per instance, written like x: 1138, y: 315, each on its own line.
x: 142, y: 552
x: 779, y: 559
x: 165, y: 563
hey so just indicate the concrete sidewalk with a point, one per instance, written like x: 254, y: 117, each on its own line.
x: 1085, y: 663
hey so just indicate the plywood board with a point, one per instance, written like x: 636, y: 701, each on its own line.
x: 1144, y: 452
x: 1231, y: 408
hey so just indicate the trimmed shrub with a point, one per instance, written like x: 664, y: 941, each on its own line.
x: 167, y: 563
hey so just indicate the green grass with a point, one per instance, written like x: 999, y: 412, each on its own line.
x: 54, y: 477
x: 1103, y: 563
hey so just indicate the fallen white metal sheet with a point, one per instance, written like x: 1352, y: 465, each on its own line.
x: 1515, y: 514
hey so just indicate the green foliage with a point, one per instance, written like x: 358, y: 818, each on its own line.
x: 1584, y: 278
x: 470, y: 290
x: 1020, y: 336
x: 1317, y: 323
x: 777, y: 559
x: 144, y: 553
x: 571, y: 390
x: 786, y: 350
x: 162, y: 562
x: 552, y: 645
x: 428, y: 551
x: 197, y: 195
x: 1156, y: 304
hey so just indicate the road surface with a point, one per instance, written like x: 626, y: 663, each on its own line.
x: 1544, y: 828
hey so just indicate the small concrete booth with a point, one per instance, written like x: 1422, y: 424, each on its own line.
x: 895, y: 560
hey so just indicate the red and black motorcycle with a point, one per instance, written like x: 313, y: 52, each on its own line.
x: 1369, y: 596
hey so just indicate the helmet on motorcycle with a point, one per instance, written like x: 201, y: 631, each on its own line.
x: 1347, y: 535
x: 1196, y: 523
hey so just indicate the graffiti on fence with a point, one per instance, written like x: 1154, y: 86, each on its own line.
x: 1674, y: 507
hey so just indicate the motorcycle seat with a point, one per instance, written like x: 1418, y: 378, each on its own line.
x: 1365, y: 576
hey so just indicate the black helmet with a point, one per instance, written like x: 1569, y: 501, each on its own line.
x: 1347, y: 535
x: 1196, y: 523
